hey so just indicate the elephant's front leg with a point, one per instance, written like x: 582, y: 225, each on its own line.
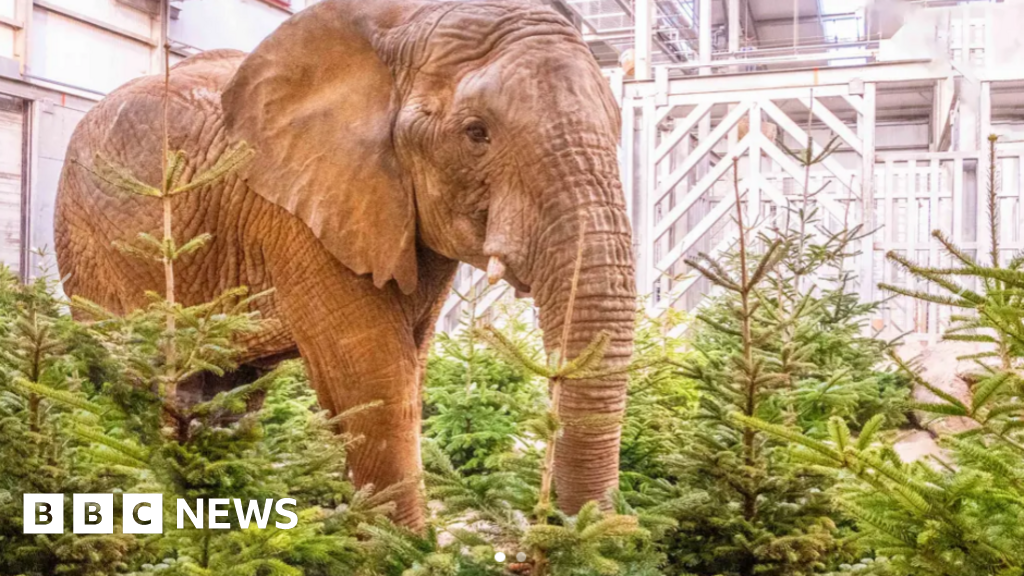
x: 373, y: 370
x: 360, y: 349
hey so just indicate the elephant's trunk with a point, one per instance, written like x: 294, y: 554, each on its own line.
x: 587, y: 451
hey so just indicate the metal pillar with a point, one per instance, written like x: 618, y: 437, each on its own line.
x: 643, y: 212
x: 643, y: 22
x: 866, y: 132
x: 162, y: 39
x: 734, y: 27
x: 984, y: 172
x: 733, y: 10
x: 704, y: 23
x: 704, y: 20
x: 796, y: 23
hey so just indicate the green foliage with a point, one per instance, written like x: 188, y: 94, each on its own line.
x: 45, y: 359
x: 591, y: 542
x: 497, y: 497
x: 62, y: 432
x: 474, y: 401
x: 123, y: 431
x: 782, y: 342
x: 689, y: 471
x: 956, y: 517
x: 120, y: 429
x: 660, y: 400
x: 958, y: 513
x: 481, y: 514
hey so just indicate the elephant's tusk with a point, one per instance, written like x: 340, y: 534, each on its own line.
x: 495, y: 270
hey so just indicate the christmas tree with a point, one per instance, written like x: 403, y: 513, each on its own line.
x: 781, y: 343
x: 958, y: 512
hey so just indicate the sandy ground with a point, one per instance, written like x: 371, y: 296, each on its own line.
x: 940, y: 368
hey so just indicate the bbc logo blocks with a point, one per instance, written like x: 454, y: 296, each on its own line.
x: 44, y: 513
x: 143, y: 513
x: 93, y: 513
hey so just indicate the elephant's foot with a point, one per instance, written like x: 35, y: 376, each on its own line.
x: 386, y: 455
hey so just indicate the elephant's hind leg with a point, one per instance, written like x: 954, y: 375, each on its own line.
x: 93, y: 269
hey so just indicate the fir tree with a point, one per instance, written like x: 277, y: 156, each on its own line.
x: 958, y: 513
x: 475, y: 402
x: 660, y: 400
x: 781, y: 344
x: 44, y: 360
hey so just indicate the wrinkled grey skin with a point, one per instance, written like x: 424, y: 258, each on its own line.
x: 394, y: 139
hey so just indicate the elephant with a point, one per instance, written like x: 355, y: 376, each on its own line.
x: 393, y: 140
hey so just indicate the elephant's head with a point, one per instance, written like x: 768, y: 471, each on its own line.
x: 483, y: 130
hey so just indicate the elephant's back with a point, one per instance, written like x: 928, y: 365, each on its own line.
x: 126, y: 130
x: 127, y: 127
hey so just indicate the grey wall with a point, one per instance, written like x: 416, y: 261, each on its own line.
x: 55, y: 124
x: 239, y: 24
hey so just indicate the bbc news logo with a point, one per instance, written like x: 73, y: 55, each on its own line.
x: 144, y: 513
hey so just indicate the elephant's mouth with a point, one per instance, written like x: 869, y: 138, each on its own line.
x: 522, y: 289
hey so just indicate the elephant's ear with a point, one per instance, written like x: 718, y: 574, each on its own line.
x: 317, y: 103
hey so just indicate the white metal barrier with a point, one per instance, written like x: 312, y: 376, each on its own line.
x: 682, y: 136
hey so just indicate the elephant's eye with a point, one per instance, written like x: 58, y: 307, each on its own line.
x: 477, y: 132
